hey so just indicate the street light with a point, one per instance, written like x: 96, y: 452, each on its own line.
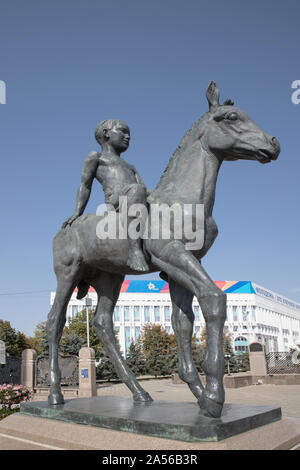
x: 227, y: 357
x: 88, y: 303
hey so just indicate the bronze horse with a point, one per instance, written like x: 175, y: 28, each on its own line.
x: 81, y: 258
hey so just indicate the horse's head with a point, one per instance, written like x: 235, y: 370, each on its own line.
x: 232, y: 135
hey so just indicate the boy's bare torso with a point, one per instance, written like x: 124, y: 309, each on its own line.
x: 114, y: 174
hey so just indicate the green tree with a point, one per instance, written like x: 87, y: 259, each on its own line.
x: 135, y: 359
x: 198, y: 353
x: 77, y: 326
x: 227, y: 341
x: 159, y: 349
x: 71, y: 344
x: 171, y: 360
x: 239, y: 362
x: 105, y: 369
x: 39, y: 340
x: 15, y: 341
x: 21, y: 343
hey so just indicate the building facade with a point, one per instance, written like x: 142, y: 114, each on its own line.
x: 254, y: 313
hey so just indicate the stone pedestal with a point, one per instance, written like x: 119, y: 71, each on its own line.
x: 182, y: 421
x: 28, y: 368
x: 87, y: 373
x: 257, y: 358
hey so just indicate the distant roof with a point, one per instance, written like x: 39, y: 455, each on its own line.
x: 162, y: 287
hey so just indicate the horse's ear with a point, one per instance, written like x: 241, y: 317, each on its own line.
x: 213, y: 95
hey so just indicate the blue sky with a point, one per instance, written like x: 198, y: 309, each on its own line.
x: 68, y: 65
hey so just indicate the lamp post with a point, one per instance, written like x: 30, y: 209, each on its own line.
x: 88, y: 303
x: 227, y: 357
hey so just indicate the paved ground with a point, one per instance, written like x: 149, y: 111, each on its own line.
x: 23, y: 432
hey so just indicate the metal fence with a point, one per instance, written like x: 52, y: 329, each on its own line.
x: 10, y: 372
x: 68, y: 366
x: 283, y: 363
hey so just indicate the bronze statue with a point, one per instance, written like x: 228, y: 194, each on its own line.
x: 118, y: 178
x: 82, y: 259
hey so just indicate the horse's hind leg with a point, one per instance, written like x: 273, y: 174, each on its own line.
x: 108, y: 288
x: 55, y: 324
x: 182, y: 322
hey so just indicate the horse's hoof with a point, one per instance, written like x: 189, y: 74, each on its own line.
x: 56, y: 398
x: 142, y: 398
x: 213, y: 408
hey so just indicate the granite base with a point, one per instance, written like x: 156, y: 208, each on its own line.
x: 173, y: 420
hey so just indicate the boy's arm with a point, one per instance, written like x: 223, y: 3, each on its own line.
x: 83, y: 194
x: 140, y: 181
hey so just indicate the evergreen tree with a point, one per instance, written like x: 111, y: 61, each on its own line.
x: 105, y: 369
x: 77, y: 326
x: 171, y: 361
x: 155, y: 363
x: 71, y: 344
x: 198, y: 353
x: 227, y: 343
x: 135, y: 359
x: 39, y: 340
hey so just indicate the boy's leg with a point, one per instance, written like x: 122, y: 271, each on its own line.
x: 136, y: 194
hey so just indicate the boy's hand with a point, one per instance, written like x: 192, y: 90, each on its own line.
x: 70, y: 220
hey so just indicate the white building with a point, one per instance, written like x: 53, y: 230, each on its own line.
x: 253, y: 313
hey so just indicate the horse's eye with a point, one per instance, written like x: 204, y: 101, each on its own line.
x: 231, y: 116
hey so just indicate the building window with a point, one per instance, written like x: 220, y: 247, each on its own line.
x: 168, y: 329
x: 127, y: 337
x: 167, y: 313
x: 137, y: 314
x: 234, y: 313
x: 197, y: 313
x: 253, y: 313
x: 74, y: 310
x: 240, y: 345
x: 244, y: 313
x: 126, y: 313
x: 137, y: 332
x: 156, y: 313
x: 147, y: 313
x: 197, y: 330
x: 117, y: 313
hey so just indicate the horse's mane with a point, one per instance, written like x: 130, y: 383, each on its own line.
x: 195, y: 131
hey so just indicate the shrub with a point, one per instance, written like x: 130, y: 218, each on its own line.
x: 11, y: 396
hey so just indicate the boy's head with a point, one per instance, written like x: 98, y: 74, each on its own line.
x: 113, y: 130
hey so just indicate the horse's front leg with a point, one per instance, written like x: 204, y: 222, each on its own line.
x: 182, y: 322
x: 183, y: 268
x: 214, y: 311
